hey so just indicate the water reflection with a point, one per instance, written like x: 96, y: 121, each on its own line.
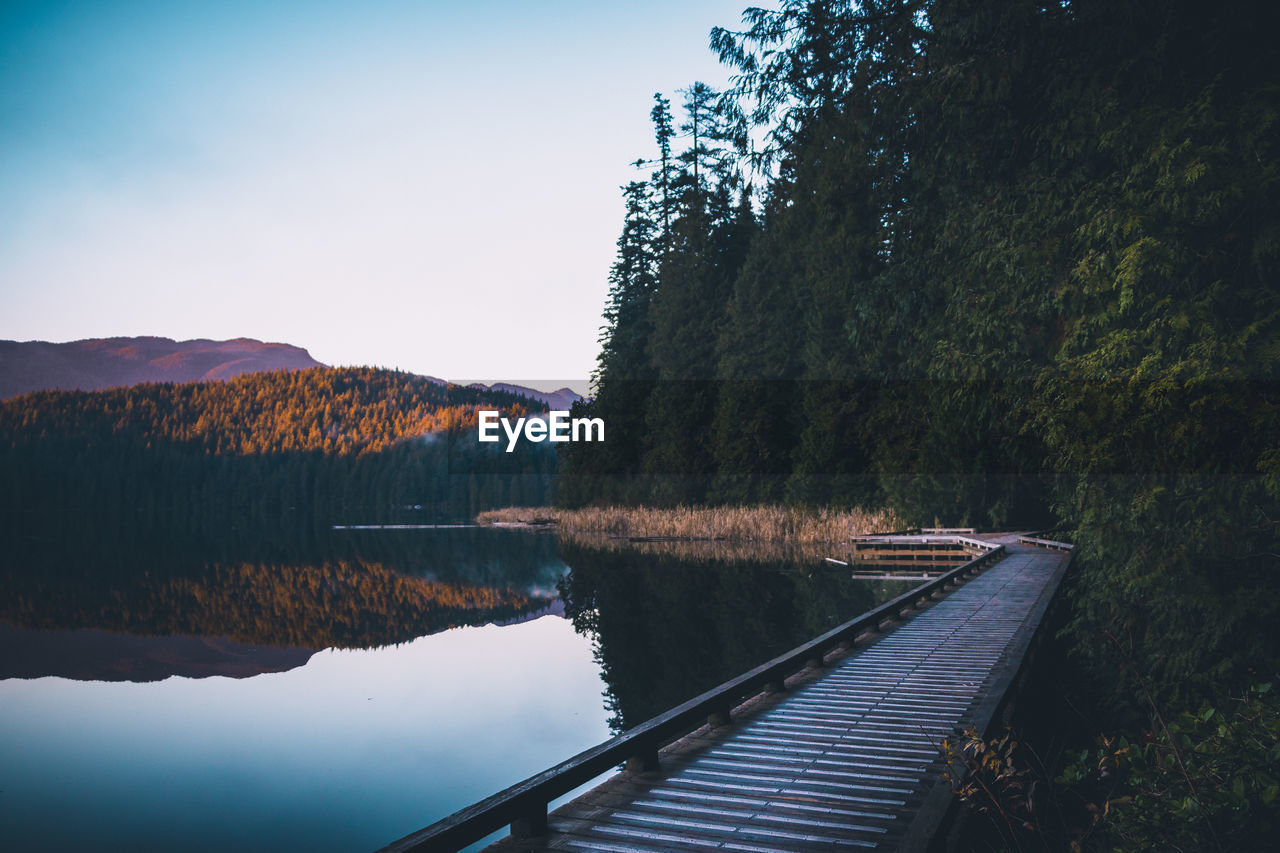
x: 666, y: 628
x: 86, y: 655
x: 321, y: 700
x: 95, y: 603
x: 351, y: 751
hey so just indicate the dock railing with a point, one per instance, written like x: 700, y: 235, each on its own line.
x: 1046, y: 543
x: 523, y: 806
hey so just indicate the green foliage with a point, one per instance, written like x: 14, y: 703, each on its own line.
x: 348, y: 410
x: 992, y: 778
x: 1016, y: 266
x: 1205, y: 779
x: 1209, y: 779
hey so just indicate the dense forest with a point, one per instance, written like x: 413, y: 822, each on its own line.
x: 331, y: 444
x: 1011, y: 264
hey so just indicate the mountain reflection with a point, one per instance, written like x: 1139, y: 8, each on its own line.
x: 104, y: 600
x: 112, y: 602
x: 87, y: 655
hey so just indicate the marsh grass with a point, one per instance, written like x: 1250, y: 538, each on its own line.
x: 763, y: 523
x: 725, y: 550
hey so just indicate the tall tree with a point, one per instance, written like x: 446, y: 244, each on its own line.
x: 705, y: 157
x: 623, y: 379
x: 665, y: 177
x: 709, y: 241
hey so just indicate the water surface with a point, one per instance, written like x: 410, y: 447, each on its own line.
x: 335, y: 690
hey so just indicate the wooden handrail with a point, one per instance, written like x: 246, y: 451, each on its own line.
x: 1046, y: 543
x: 524, y: 805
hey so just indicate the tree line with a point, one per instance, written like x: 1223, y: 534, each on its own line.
x: 337, y: 444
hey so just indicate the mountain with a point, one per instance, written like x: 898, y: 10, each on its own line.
x: 99, y: 363
x: 561, y: 399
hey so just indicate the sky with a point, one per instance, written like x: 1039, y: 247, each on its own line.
x: 430, y: 186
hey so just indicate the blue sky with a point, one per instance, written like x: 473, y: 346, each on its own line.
x: 424, y: 185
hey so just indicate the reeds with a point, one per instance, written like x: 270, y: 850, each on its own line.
x: 778, y: 553
x: 762, y: 523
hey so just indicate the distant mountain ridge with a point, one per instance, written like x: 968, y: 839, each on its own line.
x: 98, y: 363
x: 95, y: 364
x: 560, y: 399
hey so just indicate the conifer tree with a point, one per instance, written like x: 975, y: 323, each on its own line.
x: 623, y: 379
x: 664, y: 178
x: 708, y: 245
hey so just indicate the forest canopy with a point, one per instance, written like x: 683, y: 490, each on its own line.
x: 324, y: 444
x: 1007, y: 264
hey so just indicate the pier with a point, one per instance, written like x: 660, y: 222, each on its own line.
x: 838, y: 744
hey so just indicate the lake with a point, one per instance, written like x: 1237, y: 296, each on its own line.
x: 330, y: 689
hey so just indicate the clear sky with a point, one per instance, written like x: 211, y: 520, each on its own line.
x: 425, y: 185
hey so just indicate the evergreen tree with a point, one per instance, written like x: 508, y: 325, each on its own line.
x: 664, y: 179
x: 624, y: 377
x: 709, y: 242
x: 1016, y: 259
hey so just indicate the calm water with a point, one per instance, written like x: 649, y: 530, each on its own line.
x: 335, y: 690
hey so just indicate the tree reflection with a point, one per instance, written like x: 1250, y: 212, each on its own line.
x: 303, y: 587
x: 666, y: 628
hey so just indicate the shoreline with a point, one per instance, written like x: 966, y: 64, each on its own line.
x: 762, y: 523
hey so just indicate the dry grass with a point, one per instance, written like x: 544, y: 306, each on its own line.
x: 767, y: 523
x: 778, y: 553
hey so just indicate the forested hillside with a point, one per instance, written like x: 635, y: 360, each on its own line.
x: 330, y: 410
x: 1011, y: 264
x: 342, y: 444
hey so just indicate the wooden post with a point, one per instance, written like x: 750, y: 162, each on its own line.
x: 534, y: 823
x: 644, y: 761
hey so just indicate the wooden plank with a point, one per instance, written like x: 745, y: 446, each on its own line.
x: 877, y: 553
x: 913, y: 544
x: 906, y: 560
x: 941, y: 808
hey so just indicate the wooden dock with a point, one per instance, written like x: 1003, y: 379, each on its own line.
x: 848, y: 756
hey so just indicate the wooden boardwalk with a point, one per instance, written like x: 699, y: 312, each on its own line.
x: 848, y: 757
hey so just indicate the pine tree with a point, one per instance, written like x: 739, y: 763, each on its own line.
x: 664, y: 179
x: 624, y: 376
